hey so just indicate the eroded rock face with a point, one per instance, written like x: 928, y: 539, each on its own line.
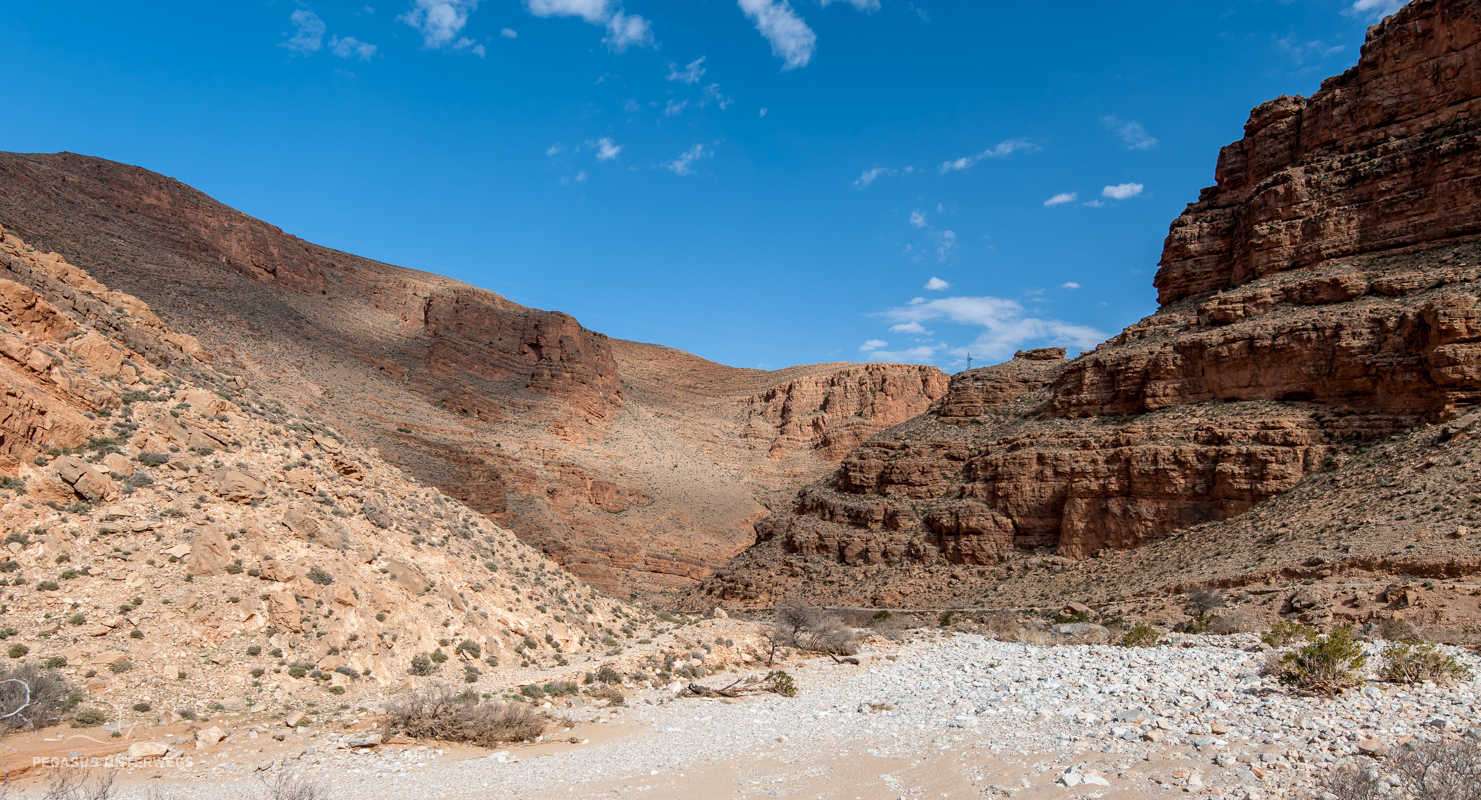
x: 1385, y: 155
x: 1315, y: 296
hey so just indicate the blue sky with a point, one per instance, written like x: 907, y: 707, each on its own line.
x: 760, y: 182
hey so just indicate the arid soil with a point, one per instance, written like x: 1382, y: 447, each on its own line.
x: 636, y: 467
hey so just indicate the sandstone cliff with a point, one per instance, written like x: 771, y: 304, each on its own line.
x: 636, y: 467
x: 1315, y: 298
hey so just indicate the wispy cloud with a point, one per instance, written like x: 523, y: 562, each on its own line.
x: 606, y: 150
x: 1375, y: 9
x: 1069, y: 285
x: 1000, y: 150
x: 911, y: 327
x: 509, y: 33
x: 1132, y: 134
x: 441, y: 24
x: 1122, y: 191
x: 1005, y: 325
x: 350, y: 47
x: 691, y: 73
x: 553, y: 149
x: 791, y: 40
x: 674, y: 108
x: 917, y: 219
x: 937, y: 285
x: 623, y: 30
x: 946, y: 245
x: 1061, y: 198
x: 871, y: 175
x: 862, y: 5
x: 713, y: 94
x: 872, y: 344
x: 308, y: 32
x: 1302, y: 52
x: 684, y: 164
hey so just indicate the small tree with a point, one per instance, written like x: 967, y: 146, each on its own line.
x: 1327, y: 666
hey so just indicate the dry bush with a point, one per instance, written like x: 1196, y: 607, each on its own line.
x: 71, y: 783
x: 1139, y: 635
x: 1352, y: 782
x: 1232, y: 623
x: 444, y: 714
x: 1417, y: 662
x: 1201, y: 602
x: 1394, y: 629
x: 1003, y: 625
x: 611, y: 694
x: 45, y: 695
x: 807, y: 627
x: 285, y: 786
x: 1285, y: 632
x: 1439, y: 770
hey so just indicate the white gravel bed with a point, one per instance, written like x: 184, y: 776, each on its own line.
x: 1011, y: 718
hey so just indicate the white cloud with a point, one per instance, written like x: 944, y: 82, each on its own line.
x: 1005, y: 324
x: 580, y: 176
x: 763, y: 112
x: 1001, y: 150
x: 945, y: 244
x: 917, y: 219
x: 1132, y: 134
x: 1122, y: 191
x: 674, y: 109
x: 1061, y: 199
x: 790, y: 38
x: 1375, y: 9
x: 862, y: 5
x: 712, y: 92
x: 917, y: 301
x: 308, y: 35
x: 606, y: 150
x: 923, y: 354
x: 440, y: 23
x: 693, y: 71
x: 553, y: 149
x: 623, y: 30
x: 936, y: 284
x: 1069, y: 285
x: 509, y: 33
x: 683, y: 165
x: 1094, y: 204
x: 872, y: 344
x: 351, y: 47
x: 911, y: 327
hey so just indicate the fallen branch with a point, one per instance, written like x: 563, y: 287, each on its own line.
x: 775, y: 682
x: 844, y: 660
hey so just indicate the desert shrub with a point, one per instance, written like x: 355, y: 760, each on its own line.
x: 299, y: 672
x: 1203, y: 601
x: 608, y: 675
x: 50, y: 695
x: 285, y: 786
x: 336, y: 690
x: 1229, y: 624
x: 1326, y: 666
x: 443, y: 714
x: 558, y: 688
x: 470, y: 647
x: 1353, y: 782
x: 319, y: 576
x: 881, y: 616
x: 811, y: 628
x: 152, y: 459
x: 17, y: 650
x: 74, y: 783
x: 533, y: 691
x: 142, y: 708
x: 946, y: 619
x: 438, y: 657
x: 782, y: 683
x: 55, y: 662
x: 421, y: 664
x: 1395, y: 630
x: 121, y: 667
x: 1203, y: 623
x: 253, y: 649
x: 89, y: 718
x: 1439, y: 770
x: 1417, y: 662
x: 235, y: 568
x: 1139, y: 635
x: 1284, y: 633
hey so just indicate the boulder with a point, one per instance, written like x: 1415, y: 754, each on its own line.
x: 236, y: 485
x: 89, y: 484
x: 139, y: 750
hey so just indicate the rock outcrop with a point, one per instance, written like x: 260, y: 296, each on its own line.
x: 1316, y: 297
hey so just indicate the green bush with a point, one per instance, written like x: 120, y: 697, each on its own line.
x: 142, y: 707
x: 77, y: 619
x: 1139, y: 635
x: 782, y: 683
x: 55, y: 662
x: 336, y: 690
x: 17, y: 650
x: 1328, y: 665
x: 1285, y: 632
x: 297, y: 672
x: 608, y: 675
x: 121, y: 667
x: 152, y: 459
x: 319, y: 576
x: 439, y: 657
x: 470, y: 647
x: 881, y: 616
x: 48, y: 586
x: 421, y: 664
x: 253, y: 649
x: 89, y: 718
x: 1417, y: 662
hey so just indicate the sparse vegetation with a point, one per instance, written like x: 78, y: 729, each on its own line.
x: 1139, y: 635
x: 1284, y: 633
x: 50, y: 696
x: 441, y: 713
x: 1328, y: 665
x: 1416, y: 662
x: 811, y: 628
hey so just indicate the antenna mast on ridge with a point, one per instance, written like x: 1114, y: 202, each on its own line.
x: 969, y: 359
